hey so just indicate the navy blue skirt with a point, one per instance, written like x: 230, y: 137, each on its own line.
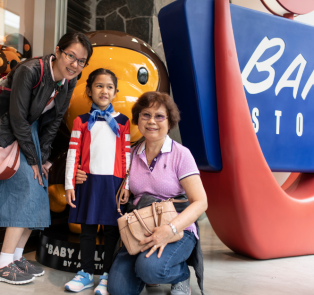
x: 95, y: 201
x: 23, y: 202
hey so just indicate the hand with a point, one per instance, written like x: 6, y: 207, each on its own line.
x: 37, y: 174
x: 125, y: 196
x: 159, y: 239
x: 46, y: 168
x: 80, y: 176
x: 70, y: 196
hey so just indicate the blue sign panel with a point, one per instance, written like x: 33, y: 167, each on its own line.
x: 276, y: 62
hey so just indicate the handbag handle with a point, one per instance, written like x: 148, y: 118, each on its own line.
x: 141, y: 221
x: 155, y: 214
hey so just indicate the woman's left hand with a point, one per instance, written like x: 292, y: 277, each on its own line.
x: 46, y: 168
x: 159, y: 239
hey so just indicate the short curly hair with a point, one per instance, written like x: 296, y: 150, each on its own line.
x: 155, y: 98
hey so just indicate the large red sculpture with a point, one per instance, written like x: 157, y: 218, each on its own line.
x: 248, y: 210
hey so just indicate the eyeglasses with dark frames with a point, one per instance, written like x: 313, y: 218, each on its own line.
x: 81, y: 62
x: 158, y: 117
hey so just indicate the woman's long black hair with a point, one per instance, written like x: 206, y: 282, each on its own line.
x: 65, y: 41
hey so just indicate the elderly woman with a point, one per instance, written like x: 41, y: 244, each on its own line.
x: 164, y: 169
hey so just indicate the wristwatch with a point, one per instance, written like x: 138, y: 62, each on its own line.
x: 173, y: 228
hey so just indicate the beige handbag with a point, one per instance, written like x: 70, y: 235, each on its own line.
x: 133, y: 226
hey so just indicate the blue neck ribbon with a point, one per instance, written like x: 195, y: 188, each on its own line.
x: 106, y: 114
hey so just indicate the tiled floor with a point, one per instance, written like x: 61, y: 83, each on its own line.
x: 225, y: 273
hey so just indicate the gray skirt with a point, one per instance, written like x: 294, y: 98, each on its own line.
x: 23, y: 202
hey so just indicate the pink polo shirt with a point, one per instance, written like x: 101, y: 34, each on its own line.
x: 162, y: 179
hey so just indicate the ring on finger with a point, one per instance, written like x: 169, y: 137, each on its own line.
x: 155, y: 247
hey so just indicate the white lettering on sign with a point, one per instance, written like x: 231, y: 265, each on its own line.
x: 299, y: 124
x: 264, y: 66
x: 70, y: 251
x: 96, y: 256
x: 255, y: 114
x: 308, y: 86
x: 56, y: 251
x: 300, y: 62
x: 278, y: 115
x: 50, y: 249
x: 63, y: 252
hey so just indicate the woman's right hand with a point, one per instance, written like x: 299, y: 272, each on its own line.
x: 37, y: 174
x: 70, y: 196
x: 80, y: 176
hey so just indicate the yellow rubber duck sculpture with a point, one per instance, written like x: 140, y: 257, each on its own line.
x: 138, y: 69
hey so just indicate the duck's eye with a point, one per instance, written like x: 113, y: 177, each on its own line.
x: 142, y: 76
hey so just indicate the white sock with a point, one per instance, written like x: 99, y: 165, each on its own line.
x: 5, y: 259
x: 18, y: 253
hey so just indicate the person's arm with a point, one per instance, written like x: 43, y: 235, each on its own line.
x: 20, y: 100
x: 73, y: 159
x: 49, y: 132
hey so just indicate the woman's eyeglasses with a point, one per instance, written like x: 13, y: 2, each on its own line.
x: 158, y: 117
x: 81, y: 62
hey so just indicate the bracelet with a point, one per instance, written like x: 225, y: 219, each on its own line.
x: 173, y: 228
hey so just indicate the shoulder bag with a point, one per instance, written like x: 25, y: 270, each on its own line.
x: 10, y: 156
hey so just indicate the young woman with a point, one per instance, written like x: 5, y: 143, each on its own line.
x: 100, y: 142
x: 33, y: 119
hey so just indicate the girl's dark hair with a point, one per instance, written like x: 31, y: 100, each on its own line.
x: 65, y: 41
x: 155, y: 98
x: 101, y: 71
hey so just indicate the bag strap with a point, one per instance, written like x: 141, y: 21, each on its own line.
x: 120, y: 191
x: 41, y: 77
x: 41, y: 72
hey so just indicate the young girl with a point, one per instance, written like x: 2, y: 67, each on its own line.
x: 100, y: 143
x: 32, y: 117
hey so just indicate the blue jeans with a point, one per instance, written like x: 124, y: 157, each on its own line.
x: 129, y: 274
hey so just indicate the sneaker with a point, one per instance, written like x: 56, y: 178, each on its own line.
x: 101, y: 289
x: 81, y: 281
x: 181, y: 288
x: 11, y: 274
x: 29, y: 268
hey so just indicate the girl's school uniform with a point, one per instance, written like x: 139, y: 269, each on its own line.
x: 105, y: 158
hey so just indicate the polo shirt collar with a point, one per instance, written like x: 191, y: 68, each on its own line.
x: 166, y: 147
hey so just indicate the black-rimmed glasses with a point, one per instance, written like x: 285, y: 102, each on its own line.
x: 81, y: 62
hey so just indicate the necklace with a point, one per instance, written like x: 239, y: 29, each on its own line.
x: 149, y: 161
